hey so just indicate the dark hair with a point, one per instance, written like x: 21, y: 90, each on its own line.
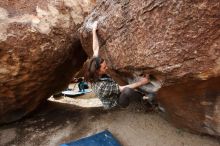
x: 93, y: 66
x: 80, y: 79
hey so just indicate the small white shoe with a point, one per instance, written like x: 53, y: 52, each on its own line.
x: 145, y: 97
x: 150, y: 97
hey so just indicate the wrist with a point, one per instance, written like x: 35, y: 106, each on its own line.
x: 144, y: 82
x: 141, y: 84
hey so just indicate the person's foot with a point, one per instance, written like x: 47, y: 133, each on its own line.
x: 145, y: 97
x: 149, y: 97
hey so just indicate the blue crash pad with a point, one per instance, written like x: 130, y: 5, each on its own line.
x: 104, y: 138
x: 75, y: 93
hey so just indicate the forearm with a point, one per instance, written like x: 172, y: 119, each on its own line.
x: 133, y: 86
x: 95, y: 44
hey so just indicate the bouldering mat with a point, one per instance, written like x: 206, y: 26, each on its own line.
x: 104, y: 138
x: 72, y: 93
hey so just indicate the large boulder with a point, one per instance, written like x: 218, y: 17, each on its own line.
x: 177, y: 42
x: 39, y: 51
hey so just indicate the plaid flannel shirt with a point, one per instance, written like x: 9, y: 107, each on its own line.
x: 107, y: 91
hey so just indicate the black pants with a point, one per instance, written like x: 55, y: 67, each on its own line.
x: 127, y: 95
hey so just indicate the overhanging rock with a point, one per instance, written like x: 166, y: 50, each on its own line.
x: 178, y: 42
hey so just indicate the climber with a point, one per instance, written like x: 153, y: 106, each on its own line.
x: 109, y: 92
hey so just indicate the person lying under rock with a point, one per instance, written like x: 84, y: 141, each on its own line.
x: 106, y: 89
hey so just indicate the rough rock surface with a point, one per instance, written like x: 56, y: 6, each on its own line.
x: 178, y: 42
x: 39, y: 51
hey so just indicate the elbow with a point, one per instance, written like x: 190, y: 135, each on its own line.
x: 121, y: 88
x: 95, y: 54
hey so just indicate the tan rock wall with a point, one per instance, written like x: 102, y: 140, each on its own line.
x: 39, y: 51
x: 175, y: 41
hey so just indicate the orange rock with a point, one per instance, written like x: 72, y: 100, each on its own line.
x: 175, y: 41
x: 39, y: 51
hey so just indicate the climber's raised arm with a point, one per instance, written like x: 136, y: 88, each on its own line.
x: 95, y: 42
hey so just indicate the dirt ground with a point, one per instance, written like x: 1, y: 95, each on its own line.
x: 62, y: 120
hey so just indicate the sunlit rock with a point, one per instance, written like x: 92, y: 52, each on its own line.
x: 39, y: 51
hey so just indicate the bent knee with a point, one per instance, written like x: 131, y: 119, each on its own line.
x: 127, y: 90
x: 123, y: 101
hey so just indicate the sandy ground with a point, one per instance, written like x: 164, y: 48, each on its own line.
x: 62, y: 120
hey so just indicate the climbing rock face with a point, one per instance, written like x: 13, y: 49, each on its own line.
x: 177, y: 42
x: 39, y: 51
